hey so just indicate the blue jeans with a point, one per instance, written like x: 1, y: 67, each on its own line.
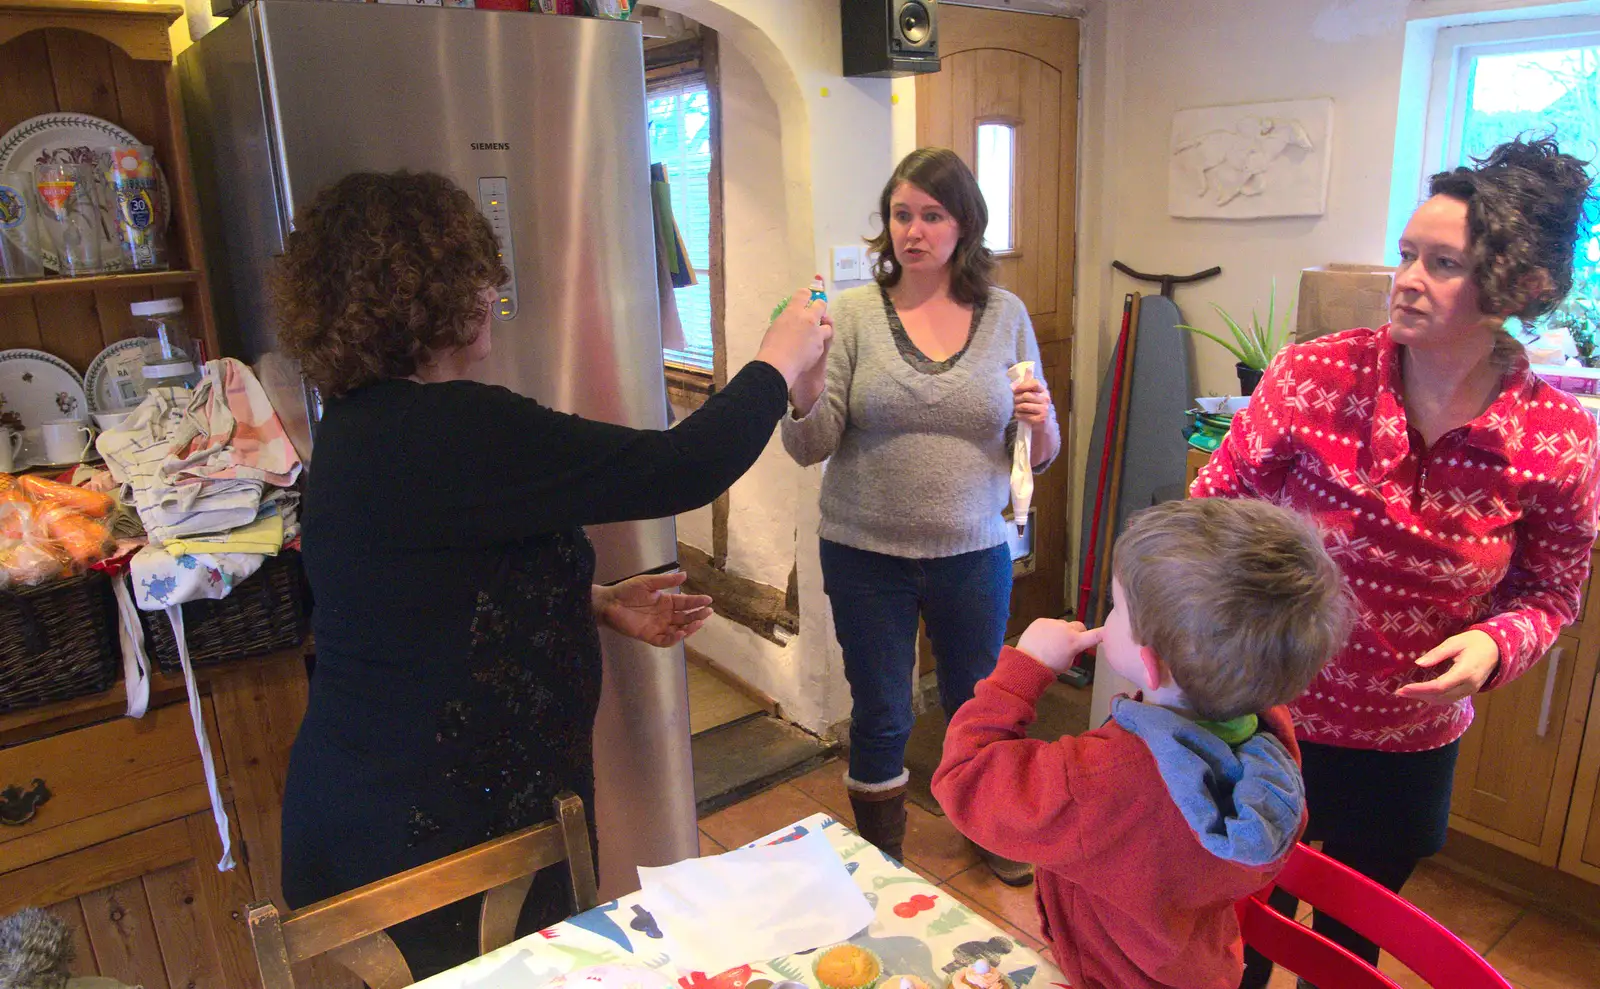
x: 964, y: 601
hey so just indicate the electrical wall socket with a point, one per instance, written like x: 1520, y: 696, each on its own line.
x: 848, y: 264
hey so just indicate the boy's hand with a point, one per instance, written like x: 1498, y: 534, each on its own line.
x: 1055, y: 643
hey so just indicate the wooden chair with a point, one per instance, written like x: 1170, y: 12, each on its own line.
x: 1443, y: 960
x: 349, y: 928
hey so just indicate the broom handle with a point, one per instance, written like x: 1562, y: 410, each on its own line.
x: 1086, y: 580
x: 1114, y: 502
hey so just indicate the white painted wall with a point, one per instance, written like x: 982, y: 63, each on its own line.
x: 805, y: 153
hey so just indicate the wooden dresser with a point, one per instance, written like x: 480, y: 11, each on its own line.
x: 125, y: 850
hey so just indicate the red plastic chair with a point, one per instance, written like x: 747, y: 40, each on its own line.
x: 1443, y: 960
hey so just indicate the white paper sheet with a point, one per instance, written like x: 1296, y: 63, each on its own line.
x: 724, y: 910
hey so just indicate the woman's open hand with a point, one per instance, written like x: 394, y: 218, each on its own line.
x: 643, y: 608
x: 1473, y: 656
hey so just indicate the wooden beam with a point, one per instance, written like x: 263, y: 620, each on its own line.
x: 762, y: 609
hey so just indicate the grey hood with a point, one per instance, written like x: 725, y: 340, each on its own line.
x: 1244, y: 804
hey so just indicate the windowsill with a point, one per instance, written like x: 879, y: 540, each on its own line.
x: 687, y: 387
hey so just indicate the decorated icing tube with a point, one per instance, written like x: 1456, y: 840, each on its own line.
x: 1021, y: 457
x: 819, y: 293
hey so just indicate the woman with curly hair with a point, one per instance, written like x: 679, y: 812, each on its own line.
x: 1456, y: 490
x: 917, y: 413
x: 458, y: 655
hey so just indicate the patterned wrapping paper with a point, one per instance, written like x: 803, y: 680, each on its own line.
x: 918, y: 929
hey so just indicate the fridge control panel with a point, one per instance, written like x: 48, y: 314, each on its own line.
x: 495, y: 201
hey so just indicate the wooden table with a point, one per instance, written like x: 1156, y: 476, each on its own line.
x: 918, y: 929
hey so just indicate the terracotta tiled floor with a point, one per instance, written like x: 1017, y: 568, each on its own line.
x: 1532, y: 949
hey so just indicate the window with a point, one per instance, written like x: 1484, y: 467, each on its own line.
x: 997, y: 159
x: 1494, y: 82
x: 679, y: 119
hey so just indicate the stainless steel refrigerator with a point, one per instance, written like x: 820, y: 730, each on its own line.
x: 542, y: 119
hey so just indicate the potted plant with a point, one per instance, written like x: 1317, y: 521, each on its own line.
x: 1582, y: 330
x: 1255, y: 346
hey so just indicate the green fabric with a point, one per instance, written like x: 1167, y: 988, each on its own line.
x: 1235, y: 731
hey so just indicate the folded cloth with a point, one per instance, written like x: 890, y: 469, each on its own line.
x: 162, y: 580
x: 242, y: 437
x: 198, y: 463
x: 264, y: 537
x: 195, y: 509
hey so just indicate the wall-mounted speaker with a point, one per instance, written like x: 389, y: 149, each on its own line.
x: 890, y: 37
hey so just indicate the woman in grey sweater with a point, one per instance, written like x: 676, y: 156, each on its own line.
x: 917, y: 413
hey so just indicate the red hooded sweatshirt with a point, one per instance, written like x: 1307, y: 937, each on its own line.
x: 1143, y: 832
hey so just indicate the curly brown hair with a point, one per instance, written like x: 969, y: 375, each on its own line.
x: 1524, y: 200
x: 942, y: 174
x: 381, y: 270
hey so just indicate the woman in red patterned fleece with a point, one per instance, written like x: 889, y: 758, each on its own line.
x: 1456, y: 490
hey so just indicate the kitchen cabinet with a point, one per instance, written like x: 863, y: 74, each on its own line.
x: 1514, y: 775
x: 1526, y: 778
x: 125, y: 850
x: 1580, y: 849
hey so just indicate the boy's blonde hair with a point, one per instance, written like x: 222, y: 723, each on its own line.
x: 1238, y: 598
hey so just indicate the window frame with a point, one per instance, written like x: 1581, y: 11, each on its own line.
x: 1014, y: 125
x: 1453, y: 50
x: 673, y: 66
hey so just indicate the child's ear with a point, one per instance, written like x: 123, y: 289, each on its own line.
x: 1154, y: 670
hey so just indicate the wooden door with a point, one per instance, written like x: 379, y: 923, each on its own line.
x: 1015, y: 76
x: 149, y: 908
x: 1514, y: 776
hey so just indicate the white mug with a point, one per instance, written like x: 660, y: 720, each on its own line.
x: 10, y: 446
x: 65, y: 441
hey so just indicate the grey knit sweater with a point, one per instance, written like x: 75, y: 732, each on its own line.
x: 920, y: 464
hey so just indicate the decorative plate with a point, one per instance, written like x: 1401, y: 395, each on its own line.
x: 35, y: 388
x: 90, y: 456
x: 78, y: 137
x: 111, y: 383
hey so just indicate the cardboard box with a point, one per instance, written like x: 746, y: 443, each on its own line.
x: 1338, y: 297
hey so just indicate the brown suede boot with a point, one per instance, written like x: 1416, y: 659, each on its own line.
x: 881, y: 818
x: 1009, y: 871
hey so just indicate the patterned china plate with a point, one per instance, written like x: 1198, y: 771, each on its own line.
x: 77, y: 137
x: 35, y: 388
x: 113, y: 372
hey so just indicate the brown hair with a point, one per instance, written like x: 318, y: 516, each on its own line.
x: 940, y: 173
x: 1524, y: 200
x: 380, y: 271
x: 1238, y: 598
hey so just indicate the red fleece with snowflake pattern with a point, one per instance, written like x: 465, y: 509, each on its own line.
x: 1490, y: 528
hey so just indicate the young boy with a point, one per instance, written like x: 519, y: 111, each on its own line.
x: 1147, y: 830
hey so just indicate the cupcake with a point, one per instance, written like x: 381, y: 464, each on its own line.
x: 848, y: 966
x: 902, y: 982
x: 980, y: 975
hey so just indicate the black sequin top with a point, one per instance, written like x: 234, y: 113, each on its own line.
x: 458, y: 662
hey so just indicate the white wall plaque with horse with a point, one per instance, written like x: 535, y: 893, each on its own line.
x: 1250, y: 160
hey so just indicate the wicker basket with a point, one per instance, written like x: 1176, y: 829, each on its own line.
x: 57, y: 641
x: 266, y: 612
